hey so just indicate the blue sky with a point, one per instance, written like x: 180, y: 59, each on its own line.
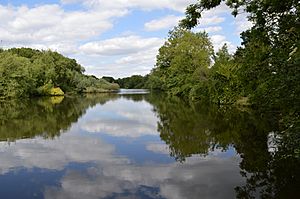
x: 113, y: 38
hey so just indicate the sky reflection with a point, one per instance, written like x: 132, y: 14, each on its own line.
x: 115, y: 151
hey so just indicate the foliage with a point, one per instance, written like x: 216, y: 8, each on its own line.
x: 47, y: 117
x: 56, y: 92
x: 91, y: 84
x: 109, y: 79
x: 16, y: 78
x: 27, y: 72
x: 269, y: 145
x: 268, y: 61
x: 267, y: 73
x: 184, y: 68
x: 223, y: 80
x: 133, y: 82
x: 182, y: 63
x: 197, y: 128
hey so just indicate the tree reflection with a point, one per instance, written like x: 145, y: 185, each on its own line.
x: 267, y: 143
x: 46, y: 117
x: 269, y: 150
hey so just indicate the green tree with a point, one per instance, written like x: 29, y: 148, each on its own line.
x: 223, y: 84
x: 109, y: 79
x: 133, y: 82
x: 269, y: 59
x: 15, y: 76
x: 26, y: 72
x: 183, y: 62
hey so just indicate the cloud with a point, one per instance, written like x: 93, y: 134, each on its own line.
x: 49, y: 26
x: 209, y: 29
x: 166, y: 22
x: 219, y: 40
x: 209, y: 17
x: 205, y: 21
x: 122, y: 56
x: 176, y: 5
x: 241, y: 22
x: 26, y: 19
x: 121, y: 45
x: 146, y: 57
x: 214, y: 16
x: 219, y: 10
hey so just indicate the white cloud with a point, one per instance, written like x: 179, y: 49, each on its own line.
x: 131, y: 55
x: 26, y: 19
x: 209, y: 17
x: 241, y: 22
x: 121, y: 45
x: 176, y: 5
x: 206, y: 21
x: 219, y: 40
x: 209, y: 29
x: 49, y: 26
x: 219, y: 10
x: 166, y: 22
x: 146, y: 58
x: 213, y: 16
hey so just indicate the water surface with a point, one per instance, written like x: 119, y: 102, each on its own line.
x: 137, y: 144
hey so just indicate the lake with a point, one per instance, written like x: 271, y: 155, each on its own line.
x: 136, y: 144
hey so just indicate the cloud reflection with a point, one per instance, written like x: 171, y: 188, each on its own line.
x: 55, y: 154
x: 213, y: 178
x: 124, y: 118
x: 115, y: 176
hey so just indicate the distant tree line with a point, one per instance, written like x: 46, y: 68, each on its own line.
x: 27, y: 72
x: 133, y: 82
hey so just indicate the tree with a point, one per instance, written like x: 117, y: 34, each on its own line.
x: 269, y: 66
x: 133, y: 82
x: 183, y: 62
x: 26, y: 72
x: 223, y: 80
x: 109, y: 79
x: 15, y: 76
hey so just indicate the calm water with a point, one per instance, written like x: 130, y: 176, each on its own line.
x: 139, y: 145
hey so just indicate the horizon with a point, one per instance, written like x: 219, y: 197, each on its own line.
x: 117, y: 39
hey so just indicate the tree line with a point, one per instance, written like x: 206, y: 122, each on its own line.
x: 132, y: 82
x: 27, y: 72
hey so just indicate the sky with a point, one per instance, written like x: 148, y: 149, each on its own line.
x: 115, y: 38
